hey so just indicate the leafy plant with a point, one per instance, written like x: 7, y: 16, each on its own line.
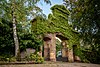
x: 35, y: 58
x: 7, y: 58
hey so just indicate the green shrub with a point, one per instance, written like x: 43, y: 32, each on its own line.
x: 12, y: 59
x: 92, y: 56
x: 8, y: 59
x: 35, y: 58
x: 79, y: 52
x: 2, y: 58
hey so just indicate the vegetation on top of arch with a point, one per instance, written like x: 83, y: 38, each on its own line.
x: 57, y: 22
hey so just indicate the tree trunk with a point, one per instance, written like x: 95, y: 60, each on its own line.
x: 16, y: 42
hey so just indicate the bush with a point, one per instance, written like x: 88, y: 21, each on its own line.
x: 79, y: 52
x: 12, y: 59
x: 92, y: 56
x: 7, y: 59
x: 35, y: 58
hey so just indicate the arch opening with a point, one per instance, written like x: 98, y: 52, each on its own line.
x: 61, y: 48
x: 55, y: 47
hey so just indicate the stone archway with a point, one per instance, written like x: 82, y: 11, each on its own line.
x: 64, y: 48
x: 50, y: 47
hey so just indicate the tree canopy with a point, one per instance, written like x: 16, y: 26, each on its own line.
x: 85, y: 17
x: 17, y: 11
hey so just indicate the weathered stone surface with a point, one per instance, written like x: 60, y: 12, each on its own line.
x: 23, y: 54
x: 50, y: 47
x: 77, y: 58
x: 64, y: 51
x: 46, y: 54
x: 53, y: 48
x: 27, y: 52
x: 70, y: 55
x: 47, y: 42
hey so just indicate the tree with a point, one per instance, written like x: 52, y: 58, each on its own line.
x: 6, y: 38
x: 85, y: 17
x: 18, y: 11
x: 14, y: 30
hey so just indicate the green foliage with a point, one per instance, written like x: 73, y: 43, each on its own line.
x: 29, y: 42
x: 92, y: 55
x: 85, y: 17
x: 19, y: 11
x: 59, y: 19
x: 6, y: 41
x: 35, y: 58
x: 6, y: 38
x: 27, y: 39
x: 22, y: 9
x: 56, y: 22
x: 12, y: 59
x: 78, y: 51
x: 58, y: 46
x: 7, y: 58
x: 39, y: 25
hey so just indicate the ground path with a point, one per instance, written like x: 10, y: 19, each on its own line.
x: 52, y: 64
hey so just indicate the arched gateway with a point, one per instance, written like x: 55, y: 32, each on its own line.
x: 50, y: 47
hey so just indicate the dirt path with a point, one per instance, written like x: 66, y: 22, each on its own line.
x: 54, y: 65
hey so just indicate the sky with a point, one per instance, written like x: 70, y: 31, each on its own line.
x: 46, y: 7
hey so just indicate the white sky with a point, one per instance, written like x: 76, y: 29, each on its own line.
x: 46, y: 7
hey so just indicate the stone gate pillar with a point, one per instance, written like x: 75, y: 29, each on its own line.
x: 47, y: 41
x: 50, y: 47
x: 53, y: 48
x: 70, y: 55
x: 64, y: 51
